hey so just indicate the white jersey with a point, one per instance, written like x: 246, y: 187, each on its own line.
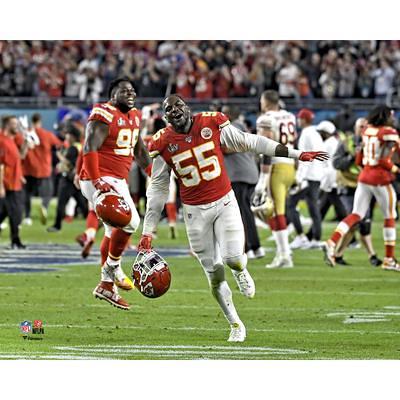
x: 282, y: 124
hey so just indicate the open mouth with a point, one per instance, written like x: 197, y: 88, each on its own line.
x: 178, y: 117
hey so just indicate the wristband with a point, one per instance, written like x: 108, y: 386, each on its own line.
x: 91, y: 165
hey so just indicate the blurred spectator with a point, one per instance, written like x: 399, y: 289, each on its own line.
x: 383, y: 78
x: 13, y: 148
x: 82, y: 69
x: 37, y: 170
x: 67, y: 166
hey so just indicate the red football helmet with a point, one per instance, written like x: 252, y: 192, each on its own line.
x: 111, y: 208
x: 150, y: 274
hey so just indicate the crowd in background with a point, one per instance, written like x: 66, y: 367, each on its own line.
x: 201, y: 69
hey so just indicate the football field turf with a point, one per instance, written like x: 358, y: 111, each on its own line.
x: 308, y: 312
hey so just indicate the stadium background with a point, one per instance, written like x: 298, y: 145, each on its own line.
x: 55, y: 77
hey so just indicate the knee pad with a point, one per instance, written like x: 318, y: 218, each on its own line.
x: 238, y: 263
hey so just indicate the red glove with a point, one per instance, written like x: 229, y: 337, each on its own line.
x: 145, y: 243
x: 314, y: 155
x: 103, y: 186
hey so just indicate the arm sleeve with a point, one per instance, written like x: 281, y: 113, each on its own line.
x: 239, y: 141
x: 157, y: 194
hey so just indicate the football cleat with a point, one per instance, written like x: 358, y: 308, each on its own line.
x: 112, y: 209
x: 85, y: 243
x: 300, y: 242
x: 250, y: 255
x: 375, y: 261
x: 245, y: 283
x: 390, y: 264
x: 328, y: 248
x: 280, y: 261
x: 151, y: 274
x: 259, y: 253
x: 238, y: 332
x: 121, y: 280
x: 108, y: 292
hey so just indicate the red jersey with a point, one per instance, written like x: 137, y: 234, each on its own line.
x: 37, y: 162
x: 373, y: 142
x: 116, y: 153
x: 196, y: 158
x: 11, y: 159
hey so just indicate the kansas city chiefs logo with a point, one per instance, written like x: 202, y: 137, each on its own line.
x: 206, y: 133
x: 123, y: 204
x: 148, y: 289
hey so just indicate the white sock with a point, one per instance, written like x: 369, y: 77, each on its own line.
x: 223, y: 295
x: 108, y: 270
x: 282, y: 237
x: 277, y: 242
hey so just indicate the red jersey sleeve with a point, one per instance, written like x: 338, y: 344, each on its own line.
x: 388, y: 134
x: 156, y: 143
x: 222, y: 120
x: 100, y: 112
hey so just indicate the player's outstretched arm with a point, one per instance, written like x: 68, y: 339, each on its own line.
x: 236, y: 140
x: 157, y: 196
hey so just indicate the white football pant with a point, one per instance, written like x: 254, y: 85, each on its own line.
x: 120, y: 185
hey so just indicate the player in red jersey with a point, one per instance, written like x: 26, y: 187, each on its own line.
x: 37, y: 169
x: 379, y: 142
x: 192, y: 147
x: 112, y: 140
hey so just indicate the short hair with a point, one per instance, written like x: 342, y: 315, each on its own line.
x: 36, y: 118
x: 379, y: 115
x: 6, y: 119
x: 271, y: 96
x: 174, y: 95
x: 114, y: 84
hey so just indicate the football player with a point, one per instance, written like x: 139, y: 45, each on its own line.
x: 277, y: 174
x: 379, y: 142
x: 112, y: 139
x: 191, y: 147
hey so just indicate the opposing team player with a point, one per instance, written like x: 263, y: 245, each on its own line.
x: 277, y: 174
x: 112, y: 139
x: 191, y: 147
x: 379, y: 141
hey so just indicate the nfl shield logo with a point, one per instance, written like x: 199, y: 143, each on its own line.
x: 25, y: 327
x: 188, y: 139
x: 121, y: 122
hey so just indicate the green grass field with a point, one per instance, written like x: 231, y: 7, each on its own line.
x: 308, y: 312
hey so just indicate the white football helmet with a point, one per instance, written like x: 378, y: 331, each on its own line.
x: 262, y: 206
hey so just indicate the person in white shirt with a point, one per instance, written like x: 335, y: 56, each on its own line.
x: 328, y: 186
x: 308, y: 183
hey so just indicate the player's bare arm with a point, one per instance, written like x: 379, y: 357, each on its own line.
x: 141, y: 153
x: 95, y: 135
